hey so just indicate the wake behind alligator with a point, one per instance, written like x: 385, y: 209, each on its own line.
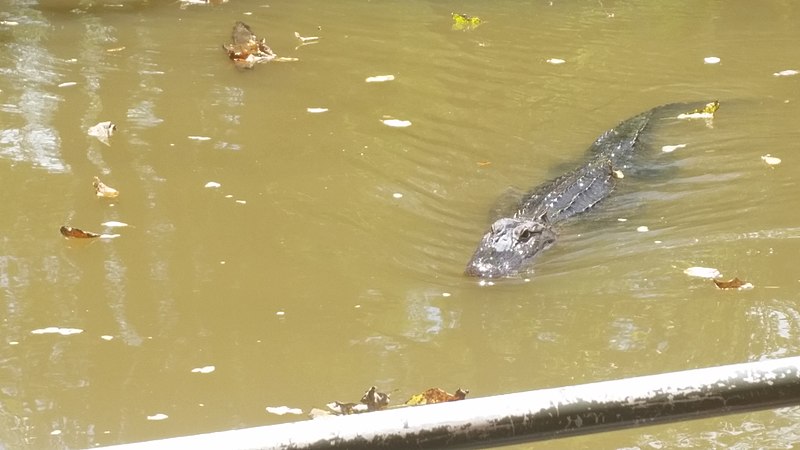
x: 512, y: 242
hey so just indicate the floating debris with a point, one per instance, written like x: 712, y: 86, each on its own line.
x: 199, y: 138
x: 283, y: 410
x: 672, y: 148
x: 247, y: 50
x: 67, y: 84
x: 396, y: 123
x: 771, y: 160
x: 379, y: 78
x: 114, y: 224
x: 464, y: 22
x: 436, y: 395
x: 347, y: 408
x: 786, y: 73
x: 77, y: 233
x: 735, y: 283
x: 115, y: 49
x: 158, y: 416
x: 711, y: 60
x: 102, y: 190
x: 642, y: 229
x: 555, y: 61
x: 212, y: 184
x: 706, y: 112
x: 375, y: 400
x: 397, y: 195
x: 186, y: 3
x: 306, y: 39
x: 204, y: 369
x: 57, y: 330
x: 317, y: 110
x: 702, y: 272
x: 102, y: 131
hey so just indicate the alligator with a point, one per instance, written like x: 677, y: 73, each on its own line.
x: 511, y: 243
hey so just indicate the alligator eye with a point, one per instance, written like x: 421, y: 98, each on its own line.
x: 523, y: 235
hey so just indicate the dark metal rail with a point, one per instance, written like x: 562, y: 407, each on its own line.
x: 527, y: 416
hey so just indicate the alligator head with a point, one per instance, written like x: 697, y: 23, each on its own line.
x: 509, y: 246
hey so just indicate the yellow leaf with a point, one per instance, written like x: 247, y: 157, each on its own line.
x: 465, y: 22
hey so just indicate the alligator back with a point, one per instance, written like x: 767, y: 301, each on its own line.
x: 580, y: 189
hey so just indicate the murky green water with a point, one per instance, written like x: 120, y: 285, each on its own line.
x: 330, y: 257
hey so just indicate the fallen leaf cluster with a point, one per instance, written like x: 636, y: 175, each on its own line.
x: 246, y: 49
x: 101, y: 190
x: 373, y: 400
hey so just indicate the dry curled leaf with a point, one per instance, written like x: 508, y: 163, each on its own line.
x: 72, y: 232
x: 735, y: 283
x: 102, y: 131
x: 375, y: 400
x: 436, y: 395
x: 103, y: 190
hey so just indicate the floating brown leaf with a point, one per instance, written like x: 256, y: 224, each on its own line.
x: 72, y: 232
x: 102, y: 190
x: 436, y: 395
x: 735, y: 283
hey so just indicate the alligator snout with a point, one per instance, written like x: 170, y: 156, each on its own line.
x: 508, y: 246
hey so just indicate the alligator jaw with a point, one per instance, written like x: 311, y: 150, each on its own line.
x: 509, y: 246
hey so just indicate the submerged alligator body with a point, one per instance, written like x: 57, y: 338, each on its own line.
x: 512, y: 242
